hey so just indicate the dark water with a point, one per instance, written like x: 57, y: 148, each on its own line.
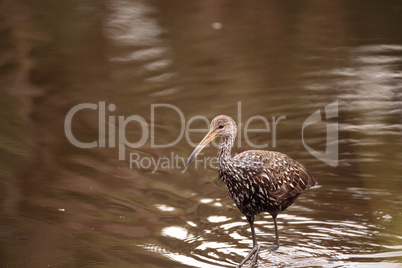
x: 65, y: 206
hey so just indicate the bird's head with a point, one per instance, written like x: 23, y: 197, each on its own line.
x: 221, y: 126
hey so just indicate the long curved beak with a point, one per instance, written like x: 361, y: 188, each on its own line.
x: 207, y: 139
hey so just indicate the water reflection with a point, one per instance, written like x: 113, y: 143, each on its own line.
x: 66, y: 206
x: 131, y: 23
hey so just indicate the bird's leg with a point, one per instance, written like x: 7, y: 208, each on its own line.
x: 256, y: 248
x: 276, y: 242
x: 275, y: 245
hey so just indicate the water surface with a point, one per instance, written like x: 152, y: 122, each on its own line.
x: 64, y: 206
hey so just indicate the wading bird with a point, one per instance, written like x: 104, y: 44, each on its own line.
x: 257, y: 181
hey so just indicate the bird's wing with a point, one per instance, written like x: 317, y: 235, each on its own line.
x: 282, y: 176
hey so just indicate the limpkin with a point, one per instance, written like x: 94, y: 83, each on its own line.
x: 257, y: 181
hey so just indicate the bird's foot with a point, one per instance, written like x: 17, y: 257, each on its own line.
x: 254, y: 254
x: 272, y: 247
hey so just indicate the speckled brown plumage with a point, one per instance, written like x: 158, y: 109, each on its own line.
x: 257, y: 181
x: 264, y: 181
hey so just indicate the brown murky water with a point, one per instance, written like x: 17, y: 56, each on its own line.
x: 143, y: 72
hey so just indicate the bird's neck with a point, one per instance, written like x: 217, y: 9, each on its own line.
x: 224, y: 153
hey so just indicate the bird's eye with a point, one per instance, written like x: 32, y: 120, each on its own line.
x: 220, y: 126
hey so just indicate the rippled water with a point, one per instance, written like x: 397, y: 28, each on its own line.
x: 64, y: 206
